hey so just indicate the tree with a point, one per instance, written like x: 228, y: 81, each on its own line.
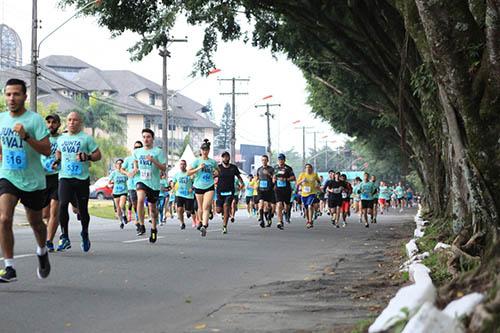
x: 223, y: 137
x: 110, y: 151
x: 98, y: 114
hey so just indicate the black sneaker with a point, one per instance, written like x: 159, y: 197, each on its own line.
x: 183, y: 226
x: 143, y: 229
x: 262, y: 224
x: 232, y: 219
x: 199, y: 226
x: 188, y: 214
x: 137, y: 227
x: 122, y: 225
x: 367, y: 225
x: 154, y: 236
x: 8, y: 275
x: 280, y: 225
x: 269, y: 223
x: 203, y: 231
x: 43, y: 266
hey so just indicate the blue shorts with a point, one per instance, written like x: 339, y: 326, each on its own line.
x: 309, y: 200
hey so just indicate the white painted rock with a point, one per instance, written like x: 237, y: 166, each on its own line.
x: 411, y: 248
x: 415, y: 259
x: 418, y: 233
x: 410, y: 297
x: 430, y: 319
x: 419, y: 273
x: 441, y: 246
x: 463, y: 306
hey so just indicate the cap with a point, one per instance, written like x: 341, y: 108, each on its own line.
x: 224, y: 154
x: 281, y: 157
x: 53, y: 116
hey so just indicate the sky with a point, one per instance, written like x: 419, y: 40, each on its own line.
x: 276, y: 76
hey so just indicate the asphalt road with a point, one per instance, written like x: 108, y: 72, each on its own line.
x: 186, y: 283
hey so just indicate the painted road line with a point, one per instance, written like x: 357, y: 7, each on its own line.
x: 22, y: 256
x: 140, y: 240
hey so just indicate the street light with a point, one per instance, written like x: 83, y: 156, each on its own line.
x: 35, y: 49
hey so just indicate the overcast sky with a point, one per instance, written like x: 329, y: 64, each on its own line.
x: 84, y: 39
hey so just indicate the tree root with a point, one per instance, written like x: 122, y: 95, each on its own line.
x: 474, y: 244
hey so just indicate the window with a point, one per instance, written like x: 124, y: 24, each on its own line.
x: 160, y: 126
x: 171, y: 127
x: 185, y: 129
x: 147, y: 123
x: 152, y: 98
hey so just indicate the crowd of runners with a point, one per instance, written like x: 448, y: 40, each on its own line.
x: 47, y: 170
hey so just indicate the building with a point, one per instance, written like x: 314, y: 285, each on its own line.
x: 139, y: 101
x: 250, y: 157
x: 10, y: 48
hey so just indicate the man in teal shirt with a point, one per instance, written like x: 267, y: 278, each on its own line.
x: 184, y: 194
x: 24, y: 137
x: 366, y: 190
x: 128, y: 168
x: 75, y: 151
x: 149, y: 162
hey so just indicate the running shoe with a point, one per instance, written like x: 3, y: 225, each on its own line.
x: 124, y: 219
x: 188, y: 214
x: 50, y: 246
x: 309, y: 225
x: 203, y: 231
x: 137, y: 227
x: 43, y: 266
x: 224, y: 230
x: 375, y: 220
x: 143, y: 230
x: 183, y: 226
x: 269, y: 223
x: 85, y: 245
x: 64, y: 244
x: 154, y: 235
x: 8, y: 275
x: 367, y: 225
x: 280, y: 225
x: 262, y: 224
x: 122, y: 225
x: 337, y: 225
x: 232, y: 219
x: 199, y: 226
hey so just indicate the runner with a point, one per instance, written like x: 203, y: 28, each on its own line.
x: 346, y: 198
x: 283, y: 175
x: 203, y: 169
x: 171, y: 200
x: 22, y: 178
x: 75, y: 151
x: 164, y: 196
x: 128, y: 168
x: 375, y: 200
x: 149, y: 161
x: 399, y: 191
x: 52, y: 180
x: 356, y: 198
x: 119, y: 182
x: 384, y: 197
x: 184, y: 194
x: 309, y: 183
x: 265, y: 191
x: 366, y: 190
x: 236, y: 200
x: 249, y: 189
x: 226, y: 188
x: 334, y: 188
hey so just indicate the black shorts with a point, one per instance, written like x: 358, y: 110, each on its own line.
x: 283, y: 195
x: 224, y: 199
x: 52, y: 189
x: 33, y: 200
x: 203, y: 191
x: 236, y: 198
x: 186, y: 203
x: 316, y: 199
x: 132, y: 196
x: 366, y: 204
x: 119, y: 195
x: 249, y: 200
x: 267, y: 196
x: 334, y: 201
x: 151, y: 194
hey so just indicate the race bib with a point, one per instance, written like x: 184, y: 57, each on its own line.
x: 48, y: 164
x: 14, y: 159
x: 263, y: 184
x: 365, y: 196
x: 226, y: 193
x: 344, y: 195
x: 336, y: 190
x: 74, y: 168
x: 281, y: 183
x: 306, y: 189
x: 146, y: 174
x: 119, y: 188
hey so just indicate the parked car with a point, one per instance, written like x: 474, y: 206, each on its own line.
x: 100, y: 189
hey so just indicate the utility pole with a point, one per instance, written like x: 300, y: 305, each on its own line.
x: 303, y: 143
x: 314, y: 159
x: 164, y: 53
x: 34, y: 56
x: 233, y: 93
x: 268, y: 116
